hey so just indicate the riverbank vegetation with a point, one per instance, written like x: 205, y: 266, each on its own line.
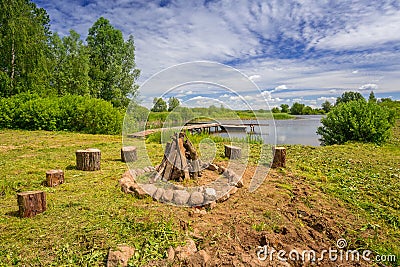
x: 355, y: 119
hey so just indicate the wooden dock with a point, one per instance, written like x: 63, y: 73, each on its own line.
x: 201, y: 127
x: 205, y: 127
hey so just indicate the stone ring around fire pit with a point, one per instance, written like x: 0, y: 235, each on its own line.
x: 142, y: 182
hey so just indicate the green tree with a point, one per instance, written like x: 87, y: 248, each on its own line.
x: 159, y: 105
x: 24, y: 35
x: 357, y: 120
x: 297, y: 108
x: 326, y: 106
x: 112, y: 63
x: 386, y: 99
x: 285, y: 108
x: 349, y: 96
x: 70, y: 65
x: 372, y: 97
x: 173, y: 103
x: 275, y: 110
x: 307, y: 110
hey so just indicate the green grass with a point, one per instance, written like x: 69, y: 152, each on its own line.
x: 251, y: 115
x: 89, y: 214
x: 85, y: 216
x: 366, y: 177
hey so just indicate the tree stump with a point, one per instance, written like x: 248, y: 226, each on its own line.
x: 54, y: 177
x: 233, y: 152
x: 31, y: 203
x: 279, y: 157
x: 128, y: 154
x: 88, y: 159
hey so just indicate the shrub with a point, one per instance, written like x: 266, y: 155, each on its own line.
x: 37, y: 114
x: 356, y: 121
x: 68, y: 113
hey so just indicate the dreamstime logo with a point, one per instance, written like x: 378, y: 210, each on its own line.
x: 339, y: 253
x: 207, y: 84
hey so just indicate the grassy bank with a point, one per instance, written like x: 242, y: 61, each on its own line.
x: 241, y: 114
x: 89, y: 214
x: 366, y: 178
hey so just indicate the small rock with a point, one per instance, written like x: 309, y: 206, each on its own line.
x: 127, y: 176
x: 178, y: 187
x: 122, y: 181
x: 150, y: 189
x: 221, y: 169
x: 126, y: 187
x: 132, y: 174
x: 183, y: 253
x: 119, y: 256
x: 239, y: 183
x: 199, y: 211
x: 224, y: 198
x: 137, y: 190
x: 212, y: 167
x: 210, y: 194
x: 199, y: 188
x: 167, y: 196
x: 170, y: 254
x: 196, y: 199
x: 158, y: 194
x: 181, y: 197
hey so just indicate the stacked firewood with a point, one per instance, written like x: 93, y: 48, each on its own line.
x: 180, y: 160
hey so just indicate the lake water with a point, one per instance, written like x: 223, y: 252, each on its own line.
x: 301, y: 130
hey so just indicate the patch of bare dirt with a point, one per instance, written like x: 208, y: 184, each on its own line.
x: 286, y: 212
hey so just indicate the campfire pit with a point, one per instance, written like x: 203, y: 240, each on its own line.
x: 180, y: 161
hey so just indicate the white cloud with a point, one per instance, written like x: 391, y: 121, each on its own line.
x: 199, y: 97
x: 369, y: 86
x: 324, y: 98
x: 281, y: 87
x: 373, y: 30
x: 255, y: 77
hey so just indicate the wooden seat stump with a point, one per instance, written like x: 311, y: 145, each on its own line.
x: 128, y: 154
x: 233, y: 152
x: 54, y: 177
x: 88, y: 159
x: 31, y: 203
x: 279, y: 157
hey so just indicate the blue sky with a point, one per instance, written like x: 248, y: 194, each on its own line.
x: 305, y: 51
